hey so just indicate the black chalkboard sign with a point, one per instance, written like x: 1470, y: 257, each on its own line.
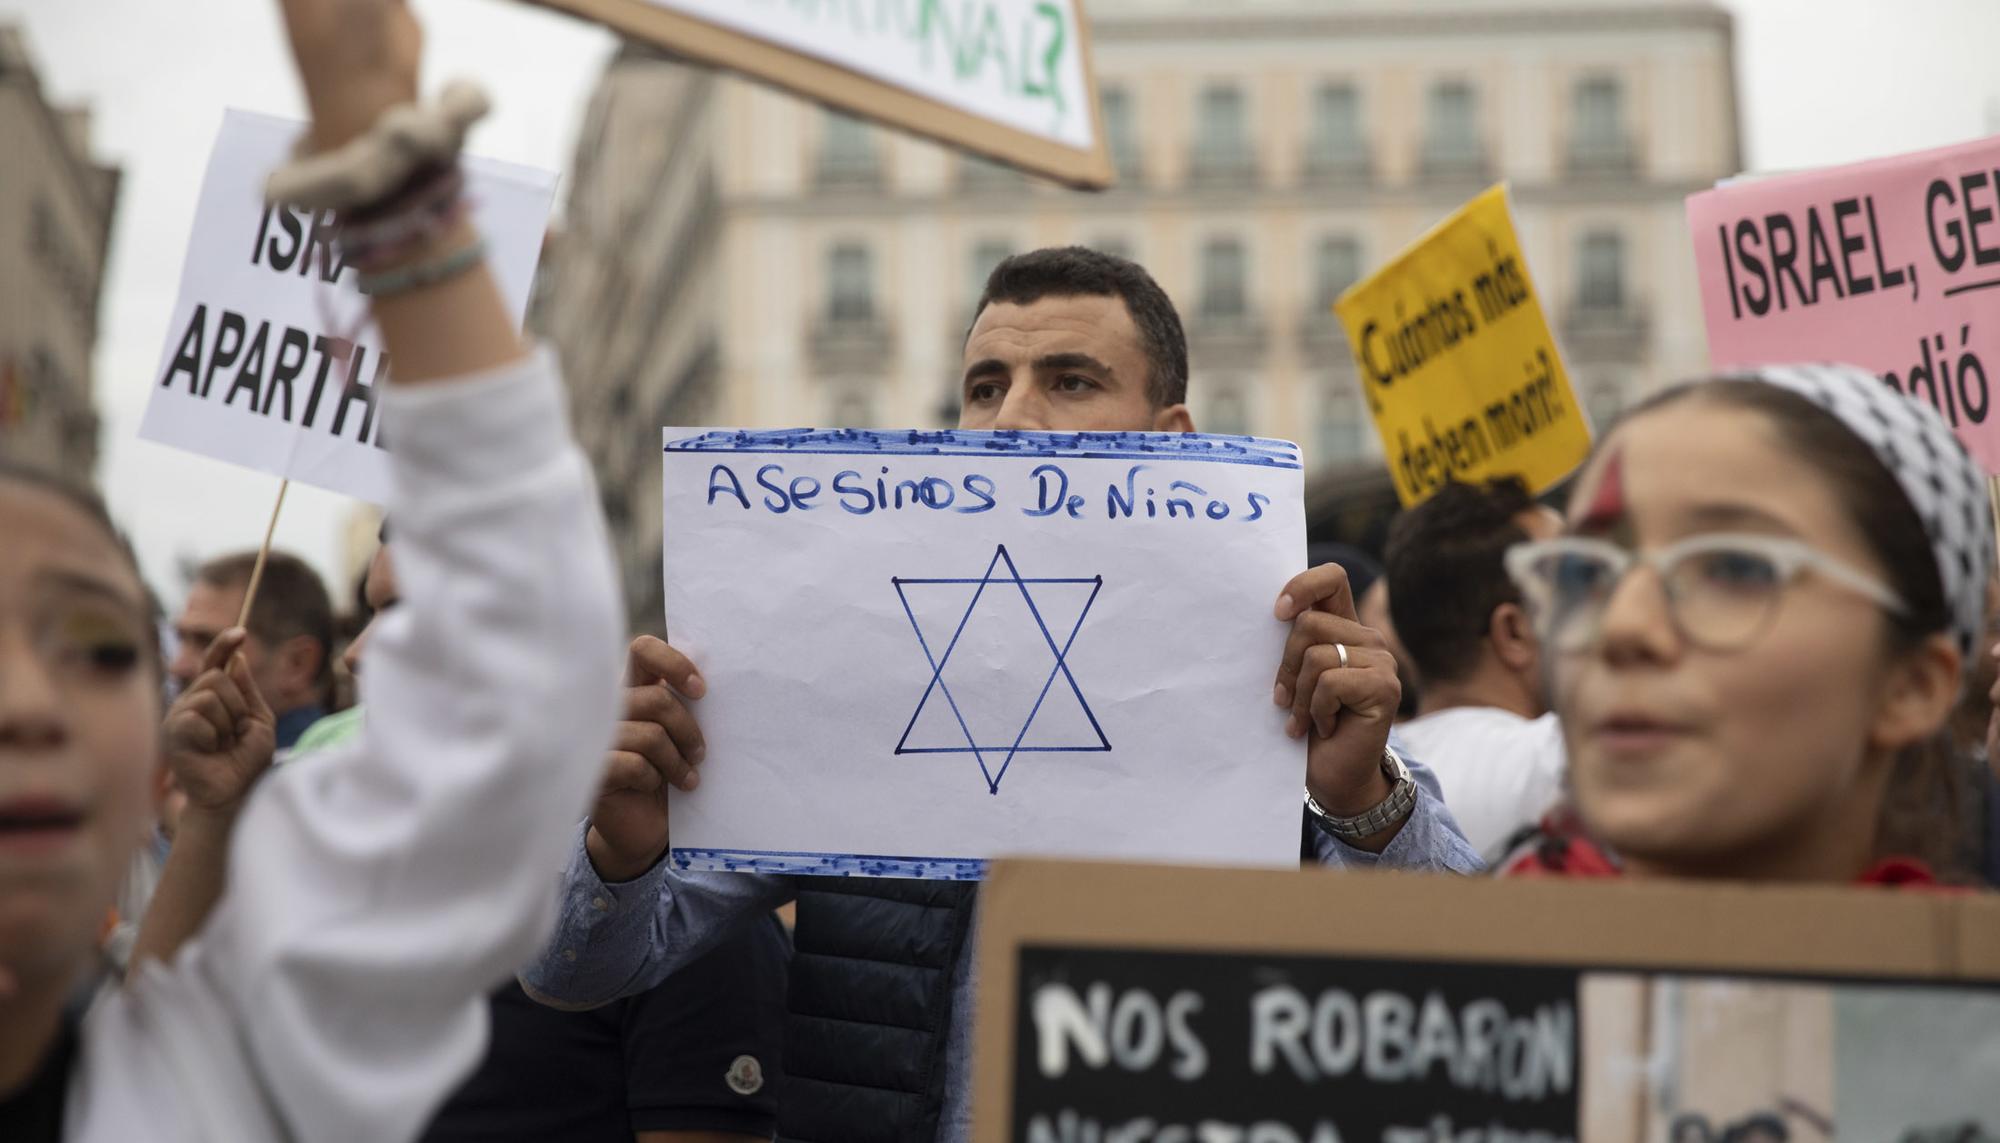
x: 1213, y: 1047
x: 1157, y: 1004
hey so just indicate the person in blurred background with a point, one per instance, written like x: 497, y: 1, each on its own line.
x: 290, y: 649
x: 1483, y: 721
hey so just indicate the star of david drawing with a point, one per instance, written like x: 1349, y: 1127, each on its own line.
x: 979, y: 701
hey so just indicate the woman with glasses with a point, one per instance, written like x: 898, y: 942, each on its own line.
x: 1757, y: 623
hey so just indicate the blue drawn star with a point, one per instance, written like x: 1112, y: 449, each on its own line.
x: 1059, y: 667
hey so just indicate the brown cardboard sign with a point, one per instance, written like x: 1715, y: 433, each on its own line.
x: 1154, y: 1004
x: 1008, y: 79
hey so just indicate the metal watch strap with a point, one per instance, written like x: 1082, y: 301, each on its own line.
x: 1388, y: 812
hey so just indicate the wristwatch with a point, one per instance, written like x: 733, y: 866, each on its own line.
x: 1389, y: 811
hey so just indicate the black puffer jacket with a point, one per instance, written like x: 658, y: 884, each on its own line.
x: 870, y: 1008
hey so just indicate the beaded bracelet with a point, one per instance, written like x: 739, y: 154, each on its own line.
x: 386, y: 234
x: 404, y: 279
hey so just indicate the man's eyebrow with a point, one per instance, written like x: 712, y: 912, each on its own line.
x: 981, y: 368
x: 1073, y: 361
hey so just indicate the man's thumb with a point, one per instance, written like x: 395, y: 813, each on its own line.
x: 239, y: 673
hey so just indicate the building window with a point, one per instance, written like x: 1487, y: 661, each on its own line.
x: 1341, y: 429
x: 1222, y: 134
x: 1451, y: 142
x: 1336, y: 266
x: 850, y: 283
x: 1336, y: 147
x: 1599, y: 140
x: 847, y: 152
x: 1601, y: 272
x: 988, y: 253
x: 1222, y: 279
x: 1227, y: 414
x: 1121, y: 137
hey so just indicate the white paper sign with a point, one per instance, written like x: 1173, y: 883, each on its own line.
x: 927, y: 649
x: 253, y: 372
x: 1017, y: 62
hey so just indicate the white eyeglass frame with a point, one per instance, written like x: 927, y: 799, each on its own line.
x: 1790, y: 557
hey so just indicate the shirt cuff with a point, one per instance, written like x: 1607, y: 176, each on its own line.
x: 1424, y: 843
x: 595, y: 915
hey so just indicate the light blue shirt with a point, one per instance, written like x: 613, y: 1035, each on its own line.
x: 614, y: 940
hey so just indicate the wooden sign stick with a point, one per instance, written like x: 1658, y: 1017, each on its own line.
x: 263, y: 553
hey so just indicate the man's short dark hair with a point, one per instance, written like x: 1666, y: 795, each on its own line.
x: 1077, y: 271
x: 291, y: 600
x: 1447, y: 572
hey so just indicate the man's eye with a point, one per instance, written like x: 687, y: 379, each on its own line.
x: 1074, y: 383
x: 984, y: 391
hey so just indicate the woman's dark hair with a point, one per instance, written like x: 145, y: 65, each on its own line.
x: 91, y: 506
x: 1925, y: 814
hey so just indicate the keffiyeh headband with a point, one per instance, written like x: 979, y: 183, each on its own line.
x: 1942, y: 484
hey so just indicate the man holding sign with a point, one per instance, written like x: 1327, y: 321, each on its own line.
x: 1065, y: 341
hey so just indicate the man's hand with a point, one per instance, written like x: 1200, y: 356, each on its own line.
x: 1347, y: 710
x: 657, y: 746
x: 357, y: 59
x: 220, y: 733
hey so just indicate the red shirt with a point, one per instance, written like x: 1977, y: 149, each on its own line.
x: 1562, y: 850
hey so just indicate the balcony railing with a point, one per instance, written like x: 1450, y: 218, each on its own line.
x: 1222, y: 166
x: 1614, y: 158
x: 1321, y: 334
x: 1229, y: 338
x: 986, y: 176
x: 849, y: 344
x: 1605, y: 331
x: 1453, y: 162
x: 848, y: 172
x: 1338, y: 166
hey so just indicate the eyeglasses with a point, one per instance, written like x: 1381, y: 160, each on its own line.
x: 1722, y: 589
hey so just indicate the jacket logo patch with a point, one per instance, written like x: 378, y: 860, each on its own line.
x: 745, y: 1076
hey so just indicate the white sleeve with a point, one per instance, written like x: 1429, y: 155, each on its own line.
x: 379, y: 891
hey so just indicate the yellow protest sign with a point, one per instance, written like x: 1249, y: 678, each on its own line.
x: 1457, y: 362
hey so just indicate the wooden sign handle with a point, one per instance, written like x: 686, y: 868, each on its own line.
x: 264, y: 553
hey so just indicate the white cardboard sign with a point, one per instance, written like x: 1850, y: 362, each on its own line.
x: 927, y: 649
x: 253, y: 371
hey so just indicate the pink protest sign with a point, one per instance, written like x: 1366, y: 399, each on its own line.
x: 1893, y: 265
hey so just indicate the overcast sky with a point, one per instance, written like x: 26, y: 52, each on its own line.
x: 1822, y: 82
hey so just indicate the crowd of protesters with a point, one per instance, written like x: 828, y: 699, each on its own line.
x: 1736, y: 645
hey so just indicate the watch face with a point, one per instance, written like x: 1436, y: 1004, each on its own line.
x: 1393, y: 767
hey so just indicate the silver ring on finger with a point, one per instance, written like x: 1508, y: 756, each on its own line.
x: 1342, y: 649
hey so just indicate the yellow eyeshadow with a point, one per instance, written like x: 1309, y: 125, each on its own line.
x: 91, y: 627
